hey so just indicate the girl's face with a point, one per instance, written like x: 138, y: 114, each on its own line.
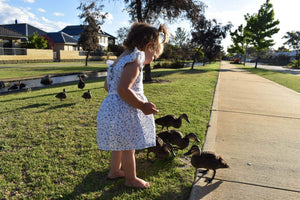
x: 149, y: 56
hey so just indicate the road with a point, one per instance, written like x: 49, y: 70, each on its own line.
x: 277, y: 68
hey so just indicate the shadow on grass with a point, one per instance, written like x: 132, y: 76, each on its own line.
x: 96, y: 181
x: 58, y: 107
x: 36, y: 105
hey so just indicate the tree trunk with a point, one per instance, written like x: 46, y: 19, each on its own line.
x: 148, y: 73
x: 256, y: 61
x: 298, y: 59
x: 195, y: 57
x: 139, y: 10
x: 245, y: 56
x: 87, y: 57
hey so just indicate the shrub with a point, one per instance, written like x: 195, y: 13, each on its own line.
x: 294, y: 64
x: 173, y: 65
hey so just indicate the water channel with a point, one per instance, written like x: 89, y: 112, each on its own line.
x: 32, y: 84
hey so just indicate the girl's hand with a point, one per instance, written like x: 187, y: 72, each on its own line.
x: 149, y: 108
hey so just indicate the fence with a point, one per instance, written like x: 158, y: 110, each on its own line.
x: 13, y: 51
x: 20, y: 55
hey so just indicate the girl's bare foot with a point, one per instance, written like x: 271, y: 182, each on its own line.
x: 137, y: 183
x: 115, y: 175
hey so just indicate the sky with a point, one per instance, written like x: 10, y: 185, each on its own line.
x: 54, y: 15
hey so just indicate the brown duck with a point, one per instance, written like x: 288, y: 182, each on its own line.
x: 176, y: 138
x: 171, y: 120
x: 161, y: 150
x: 81, y: 83
x: 87, y: 95
x: 206, y: 159
x: 62, y: 95
x: 47, y: 80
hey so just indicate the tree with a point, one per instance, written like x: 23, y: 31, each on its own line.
x: 260, y: 27
x: 207, y: 35
x: 122, y: 34
x: 36, y: 42
x: 93, y: 18
x: 240, y: 40
x: 180, y: 37
x: 293, y: 40
x: 282, y: 49
x: 149, y: 11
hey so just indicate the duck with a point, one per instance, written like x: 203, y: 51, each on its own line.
x: 81, y: 84
x: 47, y: 80
x: 2, y: 84
x: 21, y: 85
x: 13, y: 87
x: 62, y: 95
x: 87, y: 95
x: 171, y: 120
x: 175, y: 137
x: 206, y: 159
x: 82, y: 75
x: 161, y: 150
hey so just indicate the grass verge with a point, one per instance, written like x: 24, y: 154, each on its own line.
x: 40, y: 69
x: 48, y: 147
x: 288, y: 80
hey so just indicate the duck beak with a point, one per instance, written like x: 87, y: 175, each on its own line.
x: 172, y: 152
x: 197, y: 140
x: 188, y: 121
x: 187, y: 153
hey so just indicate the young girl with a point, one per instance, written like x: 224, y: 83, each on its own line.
x: 125, y: 119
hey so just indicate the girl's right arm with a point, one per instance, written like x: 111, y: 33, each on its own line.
x: 105, y: 85
x: 128, y: 77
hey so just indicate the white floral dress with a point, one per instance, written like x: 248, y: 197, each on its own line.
x: 121, y: 126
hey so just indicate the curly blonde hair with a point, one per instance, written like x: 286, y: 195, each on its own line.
x: 141, y: 34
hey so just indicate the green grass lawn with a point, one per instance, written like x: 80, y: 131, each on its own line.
x: 288, y: 80
x: 48, y: 147
x: 41, y: 69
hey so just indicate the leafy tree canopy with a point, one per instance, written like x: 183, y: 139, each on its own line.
x: 150, y: 11
x: 208, y: 35
x: 293, y: 39
x: 36, y: 42
x: 261, y: 26
x: 93, y: 18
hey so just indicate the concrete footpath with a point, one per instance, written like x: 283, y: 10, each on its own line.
x: 255, y: 126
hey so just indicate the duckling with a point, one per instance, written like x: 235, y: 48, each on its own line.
x: 61, y: 95
x: 47, y: 80
x: 81, y: 84
x: 176, y: 138
x: 161, y: 150
x: 172, y: 120
x: 206, y: 159
x: 87, y: 95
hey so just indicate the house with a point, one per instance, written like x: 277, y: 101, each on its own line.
x: 63, y: 45
x: 104, y: 38
x: 9, y: 39
x: 24, y: 29
x: 291, y: 54
x: 111, y: 39
x: 63, y: 41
